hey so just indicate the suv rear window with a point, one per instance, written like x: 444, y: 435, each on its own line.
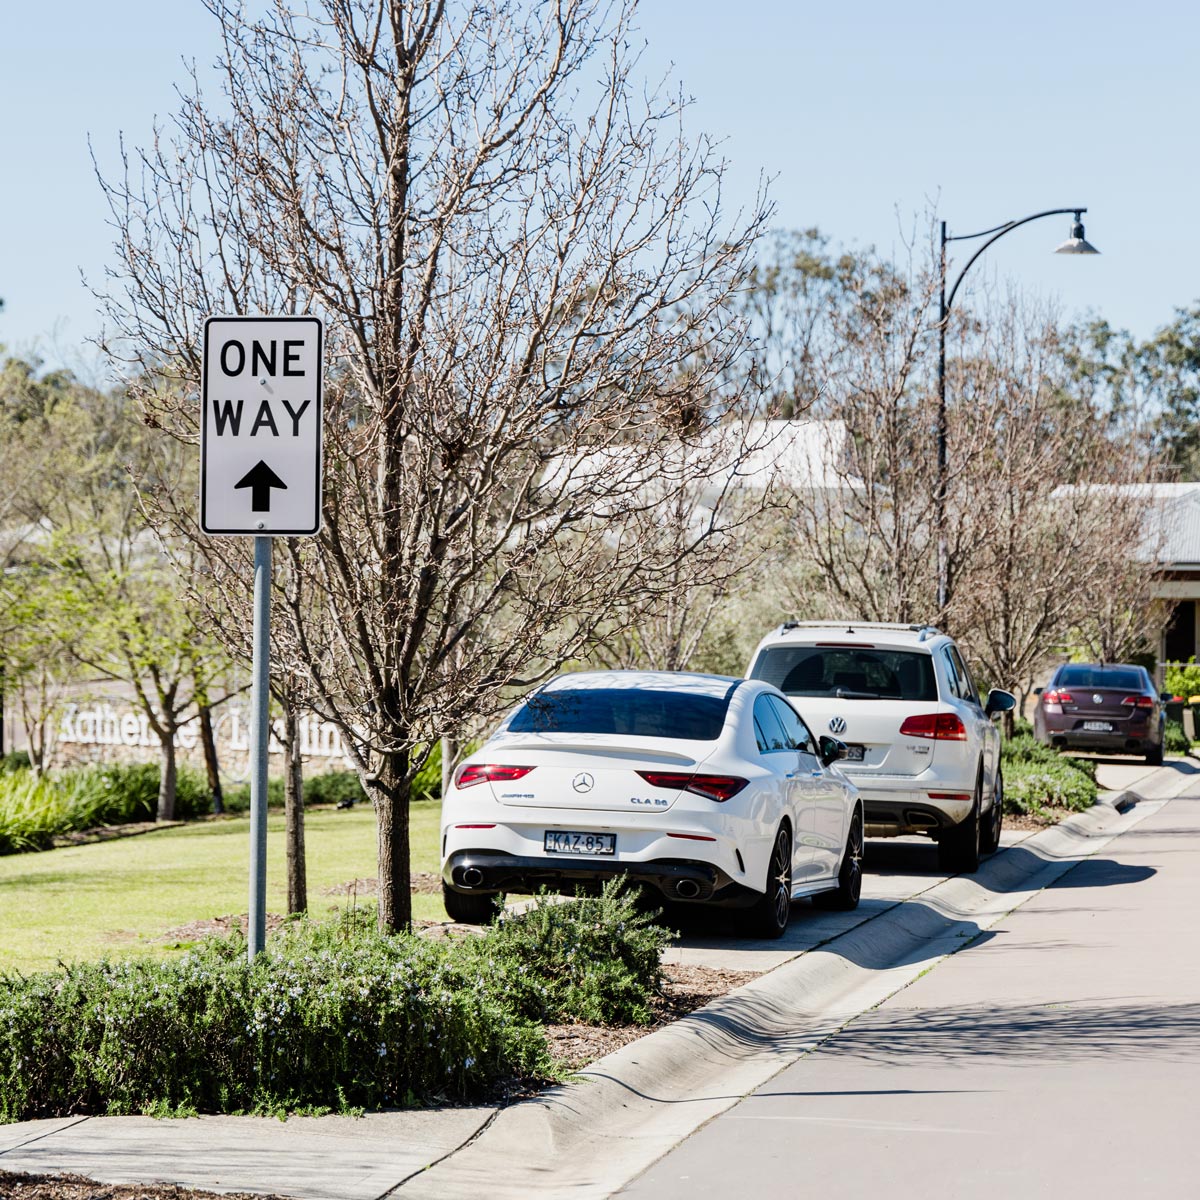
x: 848, y: 672
x: 1081, y: 675
x: 623, y: 711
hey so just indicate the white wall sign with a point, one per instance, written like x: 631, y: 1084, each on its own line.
x: 260, y: 431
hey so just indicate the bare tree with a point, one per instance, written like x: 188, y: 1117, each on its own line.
x: 1058, y: 559
x: 519, y: 258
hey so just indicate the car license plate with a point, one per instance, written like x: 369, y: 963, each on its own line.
x: 564, y: 841
x: 856, y: 753
x: 1098, y: 726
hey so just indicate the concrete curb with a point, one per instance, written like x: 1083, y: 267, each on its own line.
x: 589, y: 1138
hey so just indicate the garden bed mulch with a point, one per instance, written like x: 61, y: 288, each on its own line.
x: 687, y: 989
x: 109, y: 833
x: 14, y: 1186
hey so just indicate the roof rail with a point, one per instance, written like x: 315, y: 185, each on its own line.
x: 925, y: 630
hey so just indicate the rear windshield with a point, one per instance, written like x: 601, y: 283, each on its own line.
x: 848, y: 673
x: 1082, y: 676
x: 623, y: 711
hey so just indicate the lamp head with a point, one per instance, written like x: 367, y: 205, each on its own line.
x: 1076, y: 243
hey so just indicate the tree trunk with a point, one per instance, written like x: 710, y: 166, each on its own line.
x: 166, y: 782
x: 389, y: 791
x: 211, y: 767
x: 293, y: 793
x: 449, y: 754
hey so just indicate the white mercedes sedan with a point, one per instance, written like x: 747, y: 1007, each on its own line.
x: 711, y: 790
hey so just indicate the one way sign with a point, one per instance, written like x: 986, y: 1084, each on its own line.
x: 260, y: 433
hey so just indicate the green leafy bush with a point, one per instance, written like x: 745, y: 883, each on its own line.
x: 14, y: 760
x: 1034, y: 786
x: 1175, y: 741
x: 595, y: 959
x: 333, y: 787
x: 331, y: 1016
x: 1183, y: 679
x: 237, y: 798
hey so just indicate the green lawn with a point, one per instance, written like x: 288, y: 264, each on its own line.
x: 117, y: 898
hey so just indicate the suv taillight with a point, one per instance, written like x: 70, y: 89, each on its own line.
x: 472, y: 773
x: 711, y: 787
x: 942, y: 727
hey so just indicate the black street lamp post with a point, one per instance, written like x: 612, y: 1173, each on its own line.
x: 1075, y: 244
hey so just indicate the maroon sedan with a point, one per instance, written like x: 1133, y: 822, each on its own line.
x: 1101, y: 706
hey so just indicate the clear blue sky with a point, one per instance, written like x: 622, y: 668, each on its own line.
x: 860, y: 112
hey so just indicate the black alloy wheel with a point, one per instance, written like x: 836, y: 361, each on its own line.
x: 990, y: 838
x: 958, y: 848
x: 846, y: 895
x: 768, y: 917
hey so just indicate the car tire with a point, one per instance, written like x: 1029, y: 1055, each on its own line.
x: 958, y: 847
x: 989, y: 835
x: 473, y: 908
x: 845, y: 896
x: 1154, y: 755
x: 769, y: 915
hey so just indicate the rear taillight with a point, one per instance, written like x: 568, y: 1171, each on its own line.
x: 711, y: 787
x: 1139, y: 701
x: 472, y: 773
x: 1053, y: 697
x: 942, y: 727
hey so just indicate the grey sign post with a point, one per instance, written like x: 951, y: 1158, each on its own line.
x: 260, y: 476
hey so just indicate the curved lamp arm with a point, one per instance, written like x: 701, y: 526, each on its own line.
x: 997, y: 233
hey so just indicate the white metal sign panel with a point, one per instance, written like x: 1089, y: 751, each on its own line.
x: 260, y: 430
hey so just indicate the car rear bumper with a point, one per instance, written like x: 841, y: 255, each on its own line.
x: 678, y: 880
x: 900, y: 805
x: 1116, y: 742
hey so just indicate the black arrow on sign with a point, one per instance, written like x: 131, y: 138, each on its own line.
x: 260, y: 479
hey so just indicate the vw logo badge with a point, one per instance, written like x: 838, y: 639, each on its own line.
x: 837, y: 724
x: 1097, y: 699
x: 583, y: 782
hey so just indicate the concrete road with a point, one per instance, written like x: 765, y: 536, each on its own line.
x: 1056, y: 1056
x: 896, y: 870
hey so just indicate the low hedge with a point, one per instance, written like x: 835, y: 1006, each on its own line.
x: 34, y: 809
x: 328, y: 1017
x: 1034, y: 786
x: 336, y: 787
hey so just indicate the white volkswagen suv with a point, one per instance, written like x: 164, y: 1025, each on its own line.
x: 920, y: 744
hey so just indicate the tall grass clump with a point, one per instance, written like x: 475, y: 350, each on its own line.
x: 34, y: 809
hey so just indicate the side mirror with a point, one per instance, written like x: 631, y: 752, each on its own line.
x: 999, y: 701
x: 831, y: 749
x: 1038, y: 691
x: 1166, y: 697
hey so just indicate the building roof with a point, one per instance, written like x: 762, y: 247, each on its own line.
x: 754, y: 455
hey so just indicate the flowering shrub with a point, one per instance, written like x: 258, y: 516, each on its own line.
x: 327, y: 1017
